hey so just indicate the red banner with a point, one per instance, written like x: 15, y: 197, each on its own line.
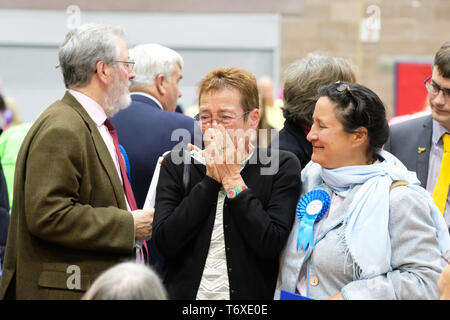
x: 410, y: 92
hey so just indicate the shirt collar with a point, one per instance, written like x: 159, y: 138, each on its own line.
x: 94, y: 110
x: 140, y: 93
x: 438, y: 131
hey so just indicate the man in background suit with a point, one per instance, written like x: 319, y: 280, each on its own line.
x: 70, y: 218
x: 419, y: 143
x: 146, y: 127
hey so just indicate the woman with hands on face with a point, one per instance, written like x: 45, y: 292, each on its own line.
x: 221, y: 238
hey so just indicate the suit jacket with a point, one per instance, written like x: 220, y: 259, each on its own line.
x: 404, y: 142
x: 144, y: 130
x: 292, y: 138
x: 256, y: 225
x: 69, y: 220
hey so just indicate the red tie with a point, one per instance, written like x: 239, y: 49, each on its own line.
x: 123, y: 171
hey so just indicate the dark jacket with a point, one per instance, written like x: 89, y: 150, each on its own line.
x: 256, y: 225
x: 4, y: 215
x: 292, y: 138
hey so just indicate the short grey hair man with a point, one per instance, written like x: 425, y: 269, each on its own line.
x: 158, y: 71
x: 127, y: 281
x: 84, y: 47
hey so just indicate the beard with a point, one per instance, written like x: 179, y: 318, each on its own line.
x: 117, y: 97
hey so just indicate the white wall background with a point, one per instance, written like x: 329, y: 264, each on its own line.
x: 29, y: 41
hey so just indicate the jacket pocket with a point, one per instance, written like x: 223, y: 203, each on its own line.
x: 64, y: 276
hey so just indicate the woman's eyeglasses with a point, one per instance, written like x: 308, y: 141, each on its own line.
x: 225, y: 119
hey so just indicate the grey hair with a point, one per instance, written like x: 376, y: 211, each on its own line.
x: 127, y: 281
x: 304, y: 77
x: 152, y: 60
x: 84, y: 47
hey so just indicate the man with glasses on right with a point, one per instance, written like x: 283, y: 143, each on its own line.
x: 423, y: 144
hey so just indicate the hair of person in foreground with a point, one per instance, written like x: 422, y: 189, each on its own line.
x: 127, y: 281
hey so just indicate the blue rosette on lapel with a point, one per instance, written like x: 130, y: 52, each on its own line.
x: 310, y: 209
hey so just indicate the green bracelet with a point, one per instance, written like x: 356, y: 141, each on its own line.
x: 233, y: 192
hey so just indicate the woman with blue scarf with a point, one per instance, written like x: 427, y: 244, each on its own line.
x: 357, y: 234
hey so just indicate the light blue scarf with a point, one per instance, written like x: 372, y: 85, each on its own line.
x: 366, y: 230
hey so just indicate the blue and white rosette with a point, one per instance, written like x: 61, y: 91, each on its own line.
x: 311, y: 208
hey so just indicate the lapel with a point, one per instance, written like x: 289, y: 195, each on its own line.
x: 423, y: 141
x: 102, y: 150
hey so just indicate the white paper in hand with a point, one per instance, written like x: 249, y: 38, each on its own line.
x: 151, y: 194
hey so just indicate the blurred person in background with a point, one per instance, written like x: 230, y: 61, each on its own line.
x: 273, y: 114
x: 12, y: 135
x: 264, y: 129
x: 11, y: 115
x: 302, y: 80
x: 10, y: 142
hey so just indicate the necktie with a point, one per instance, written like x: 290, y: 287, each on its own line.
x: 126, y: 183
x: 440, y: 191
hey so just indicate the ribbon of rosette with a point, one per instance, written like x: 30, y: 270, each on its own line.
x: 310, y: 209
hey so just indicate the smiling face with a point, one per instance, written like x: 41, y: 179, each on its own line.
x: 333, y: 147
x: 440, y: 105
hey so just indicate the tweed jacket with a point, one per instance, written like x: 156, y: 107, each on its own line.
x: 69, y: 220
x: 415, y: 256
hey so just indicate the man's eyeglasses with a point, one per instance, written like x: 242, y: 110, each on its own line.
x: 129, y: 64
x: 446, y: 256
x: 224, y: 119
x: 434, y: 89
